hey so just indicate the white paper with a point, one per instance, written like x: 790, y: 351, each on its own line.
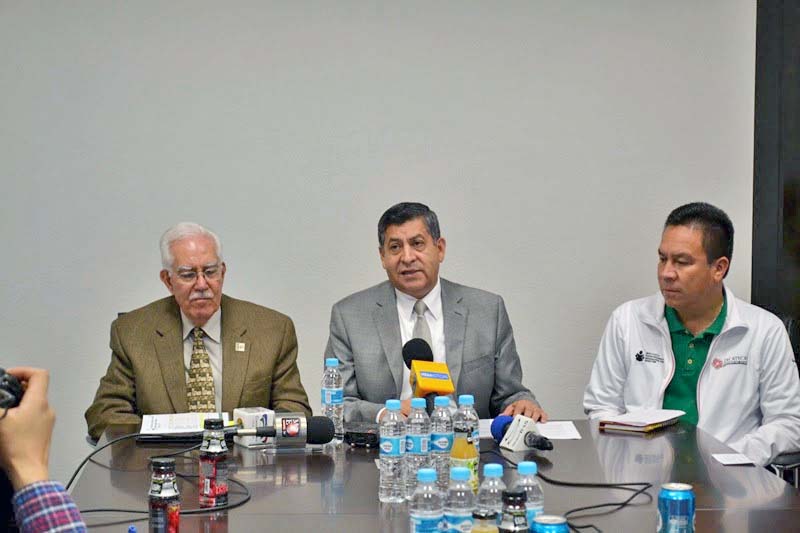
x: 558, y: 430
x: 485, y: 427
x: 175, y: 424
x: 732, y: 458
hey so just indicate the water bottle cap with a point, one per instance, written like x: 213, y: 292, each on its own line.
x: 131, y: 529
x: 426, y: 475
x: 527, y: 468
x: 331, y: 362
x: 459, y: 473
x: 418, y: 403
x: 466, y: 399
x: 492, y: 470
x: 393, y: 405
x: 441, y: 401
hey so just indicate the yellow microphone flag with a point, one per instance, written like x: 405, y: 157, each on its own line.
x: 430, y: 377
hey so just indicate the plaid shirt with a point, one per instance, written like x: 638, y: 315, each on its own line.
x: 46, y: 506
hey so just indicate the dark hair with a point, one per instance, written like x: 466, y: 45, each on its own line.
x: 717, y: 228
x: 403, y: 212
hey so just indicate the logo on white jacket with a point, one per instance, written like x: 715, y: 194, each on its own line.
x: 648, y: 357
x: 719, y: 362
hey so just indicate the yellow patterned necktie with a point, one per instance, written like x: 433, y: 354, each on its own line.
x: 200, y: 385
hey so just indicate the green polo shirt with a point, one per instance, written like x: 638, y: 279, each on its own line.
x: 690, y: 356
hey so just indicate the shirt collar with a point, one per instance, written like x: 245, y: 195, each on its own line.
x: 405, y: 302
x: 212, y: 328
x: 675, y: 325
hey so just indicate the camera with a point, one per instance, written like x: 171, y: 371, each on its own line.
x: 10, y: 390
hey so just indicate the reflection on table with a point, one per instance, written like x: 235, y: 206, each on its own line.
x: 335, y: 489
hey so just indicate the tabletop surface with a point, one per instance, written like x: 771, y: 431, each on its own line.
x: 336, y: 489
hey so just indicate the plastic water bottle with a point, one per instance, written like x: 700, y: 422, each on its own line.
x: 460, y: 502
x: 441, y: 440
x: 466, y: 402
x: 333, y: 397
x: 490, y: 494
x: 392, y: 486
x: 465, y: 450
x: 425, y: 507
x: 418, y: 438
x: 527, y: 481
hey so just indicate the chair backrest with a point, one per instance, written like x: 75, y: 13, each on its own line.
x: 793, y: 328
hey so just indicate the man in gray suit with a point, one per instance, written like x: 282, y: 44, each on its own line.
x: 467, y: 328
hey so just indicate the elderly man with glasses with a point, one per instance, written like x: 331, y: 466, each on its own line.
x: 197, y: 350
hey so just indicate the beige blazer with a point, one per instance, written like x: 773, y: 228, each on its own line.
x: 146, y: 373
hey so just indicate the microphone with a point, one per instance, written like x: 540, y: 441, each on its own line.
x: 416, y: 350
x: 428, y: 378
x: 511, y: 432
x: 294, y: 430
x: 288, y: 431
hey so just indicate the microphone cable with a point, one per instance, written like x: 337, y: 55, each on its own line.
x: 203, y: 510
x: 638, y: 488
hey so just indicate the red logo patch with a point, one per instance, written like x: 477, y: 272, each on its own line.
x: 290, y: 427
x: 716, y: 363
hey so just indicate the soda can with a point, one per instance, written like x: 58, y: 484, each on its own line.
x: 548, y: 523
x: 676, y: 508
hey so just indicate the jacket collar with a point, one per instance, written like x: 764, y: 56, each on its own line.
x: 653, y: 312
x: 168, y: 341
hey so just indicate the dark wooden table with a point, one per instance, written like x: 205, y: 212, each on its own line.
x: 336, y: 490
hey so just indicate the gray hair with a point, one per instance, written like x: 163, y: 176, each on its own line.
x: 182, y: 230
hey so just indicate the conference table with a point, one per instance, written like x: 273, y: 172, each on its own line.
x: 335, y: 488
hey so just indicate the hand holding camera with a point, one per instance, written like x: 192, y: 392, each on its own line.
x: 27, y: 425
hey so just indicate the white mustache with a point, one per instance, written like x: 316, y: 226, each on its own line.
x: 201, y: 295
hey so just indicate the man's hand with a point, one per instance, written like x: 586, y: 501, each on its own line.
x: 526, y: 408
x: 26, y: 430
x: 405, y: 407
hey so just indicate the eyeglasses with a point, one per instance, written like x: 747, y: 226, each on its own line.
x: 212, y: 272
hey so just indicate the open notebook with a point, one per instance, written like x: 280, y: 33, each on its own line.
x: 641, y: 421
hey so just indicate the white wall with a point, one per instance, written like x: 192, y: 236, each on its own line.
x: 551, y: 137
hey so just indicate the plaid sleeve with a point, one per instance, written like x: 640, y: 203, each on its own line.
x: 46, y: 506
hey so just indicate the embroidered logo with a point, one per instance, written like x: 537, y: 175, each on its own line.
x: 648, y: 357
x: 718, y: 362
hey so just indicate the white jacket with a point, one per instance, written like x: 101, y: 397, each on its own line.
x: 748, y: 392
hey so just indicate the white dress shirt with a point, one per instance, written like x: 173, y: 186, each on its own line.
x: 213, y: 342
x: 433, y: 315
x: 407, y: 317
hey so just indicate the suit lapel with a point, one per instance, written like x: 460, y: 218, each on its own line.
x: 388, y: 325
x: 234, y: 361
x: 455, y: 327
x: 168, y: 342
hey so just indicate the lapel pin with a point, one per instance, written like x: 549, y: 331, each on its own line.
x: 239, y: 347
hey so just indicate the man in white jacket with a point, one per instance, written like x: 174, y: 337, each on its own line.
x: 696, y: 347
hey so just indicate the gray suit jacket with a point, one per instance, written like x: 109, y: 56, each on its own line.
x: 479, y: 349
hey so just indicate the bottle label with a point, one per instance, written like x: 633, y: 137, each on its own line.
x: 332, y: 396
x: 166, y: 517
x: 392, y: 446
x: 476, y: 438
x: 164, y: 488
x: 458, y: 523
x: 514, y: 520
x: 472, y: 465
x: 417, y: 444
x: 425, y: 524
x: 533, y: 512
x: 465, y: 434
x: 442, y: 442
